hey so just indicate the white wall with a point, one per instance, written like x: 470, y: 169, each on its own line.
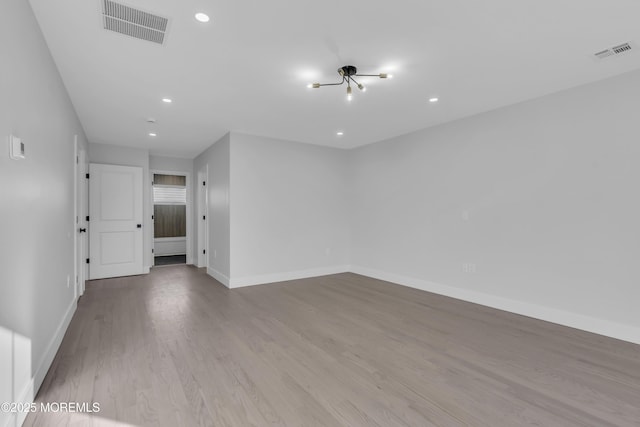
x: 172, y: 164
x: 217, y: 157
x: 125, y: 156
x: 36, y: 207
x: 550, y: 188
x: 289, y: 214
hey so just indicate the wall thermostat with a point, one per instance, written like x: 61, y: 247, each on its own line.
x: 16, y: 148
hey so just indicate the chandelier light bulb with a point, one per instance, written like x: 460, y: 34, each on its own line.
x: 361, y: 87
x: 349, y: 93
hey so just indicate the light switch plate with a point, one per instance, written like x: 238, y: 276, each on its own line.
x: 16, y: 148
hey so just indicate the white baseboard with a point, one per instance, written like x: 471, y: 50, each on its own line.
x: 218, y: 276
x: 289, y: 275
x: 54, y: 345
x: 29, y: 390
x: 561, y: 317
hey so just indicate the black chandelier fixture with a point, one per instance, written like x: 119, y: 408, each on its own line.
x: 348, y: 72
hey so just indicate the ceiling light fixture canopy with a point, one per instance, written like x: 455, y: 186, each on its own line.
x: 348, y: 72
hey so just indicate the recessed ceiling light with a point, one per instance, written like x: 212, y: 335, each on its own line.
x: 432, y: 100
x: 167, y: 100
x: 202, y: 17
x: 152, y: 134
x: 339, y: 133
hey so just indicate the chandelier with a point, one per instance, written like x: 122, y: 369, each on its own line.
x: 348, y: 72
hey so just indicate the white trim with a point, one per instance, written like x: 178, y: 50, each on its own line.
x: 54, y: 344
x: 188, y: 213
x: 171, y: 239
x: 218, y: 276
x: 202, y: 226
x: 76, y: 219
x: 561, y: 317
x: 289, y: 275
x: 29, y: 390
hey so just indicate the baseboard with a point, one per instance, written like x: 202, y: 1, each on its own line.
x: 54, y: 345
x: 29, y: 390
x: 561, y: 317
x: 290, y: 275
x: 218, y: 276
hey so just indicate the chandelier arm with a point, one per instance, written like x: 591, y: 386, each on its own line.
x: 368, y: 75
x: 334, y: 84
x: 354, y: 80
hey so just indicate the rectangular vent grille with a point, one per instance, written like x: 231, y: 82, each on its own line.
x: 133, y: 22
x: 616, y: 50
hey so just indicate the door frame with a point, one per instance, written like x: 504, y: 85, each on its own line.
x: 81, y: 239
x: 203, y: 217
x: 188, y: 213
x: 76, y: 218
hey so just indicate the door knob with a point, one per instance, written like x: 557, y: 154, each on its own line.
x: 83, y: 230
x: 139, y: 225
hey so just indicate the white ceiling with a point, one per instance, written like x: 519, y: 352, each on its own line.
x: 247, y: 69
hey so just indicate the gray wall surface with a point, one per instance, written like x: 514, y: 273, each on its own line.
x: 289, y: 207
x: 541, y: 196
x: 37, y: 227
x: 217, y: 157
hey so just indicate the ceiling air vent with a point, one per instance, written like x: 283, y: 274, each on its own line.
x: 616, y: 50
x: 133, y: 22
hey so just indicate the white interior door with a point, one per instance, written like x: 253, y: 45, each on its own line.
x: 115, y: 211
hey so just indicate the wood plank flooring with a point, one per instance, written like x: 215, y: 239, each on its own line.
x: 176, y: 348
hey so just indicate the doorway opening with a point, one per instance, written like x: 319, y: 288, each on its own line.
x: 170, y: 218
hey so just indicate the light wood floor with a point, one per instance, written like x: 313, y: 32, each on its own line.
x: 177, y: 348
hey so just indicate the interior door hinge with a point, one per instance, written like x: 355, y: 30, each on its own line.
x: 86, y: 218
x: 204, y: 183
x: 204, y: 217
x: 204, y: 251
x: 87, y: 260
x: 87, y: 176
